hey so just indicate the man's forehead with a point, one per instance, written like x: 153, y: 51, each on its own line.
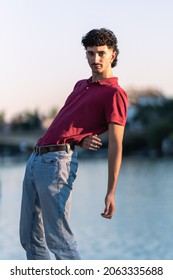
x: 98, y: 48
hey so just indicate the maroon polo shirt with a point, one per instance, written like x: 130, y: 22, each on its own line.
x: 88, y: 110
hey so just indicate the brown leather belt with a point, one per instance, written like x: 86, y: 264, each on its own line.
x: 52, y: 148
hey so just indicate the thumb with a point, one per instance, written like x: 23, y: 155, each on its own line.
x: 106, y: 210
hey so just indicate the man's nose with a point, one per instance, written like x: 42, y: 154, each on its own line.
x: 96, y: 58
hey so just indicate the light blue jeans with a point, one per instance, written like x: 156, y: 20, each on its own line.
x: 46, y: 200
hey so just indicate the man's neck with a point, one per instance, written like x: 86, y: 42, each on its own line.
x: 96, y: 77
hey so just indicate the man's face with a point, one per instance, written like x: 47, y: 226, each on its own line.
x: 100, y: 58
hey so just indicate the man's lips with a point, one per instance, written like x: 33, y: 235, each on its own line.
x: 96, y: 65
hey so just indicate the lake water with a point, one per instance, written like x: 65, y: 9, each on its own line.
x: 142, y: 227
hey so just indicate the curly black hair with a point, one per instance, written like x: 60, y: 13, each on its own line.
x: 101, y: 37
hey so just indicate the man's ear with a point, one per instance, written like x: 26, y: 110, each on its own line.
x: 114, y: 55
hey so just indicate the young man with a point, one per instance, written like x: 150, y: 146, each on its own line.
x: 95, y: 105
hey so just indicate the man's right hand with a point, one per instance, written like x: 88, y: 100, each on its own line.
x: 92, y: 142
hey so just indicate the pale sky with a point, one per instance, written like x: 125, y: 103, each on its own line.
x: 41, y: 56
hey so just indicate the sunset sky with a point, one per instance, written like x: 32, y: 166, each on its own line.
x: 41, y: 56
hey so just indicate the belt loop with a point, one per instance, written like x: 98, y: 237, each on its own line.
x: 67, y: 148
x: 39, y: 151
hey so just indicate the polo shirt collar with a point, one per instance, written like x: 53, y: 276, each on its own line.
x: 106, y: 81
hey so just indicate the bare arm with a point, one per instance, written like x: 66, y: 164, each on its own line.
x: 115, y: 138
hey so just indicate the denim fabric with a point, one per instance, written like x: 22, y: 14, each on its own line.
x: 45, y: 209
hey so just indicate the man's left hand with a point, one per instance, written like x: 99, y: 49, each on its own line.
x: 109, y: 206
x: 92, y: 142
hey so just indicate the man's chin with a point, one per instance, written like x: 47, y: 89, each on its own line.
x: 97, y: 71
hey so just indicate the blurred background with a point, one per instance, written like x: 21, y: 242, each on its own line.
x: 41, y: 59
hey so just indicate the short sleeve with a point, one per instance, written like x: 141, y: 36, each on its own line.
x: 116, y: 108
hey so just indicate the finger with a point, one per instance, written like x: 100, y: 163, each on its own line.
x: 92, y: 148
x: 108, y: 212
x: 97, y: 143
x: 96, y: 138
x: 91, y: 144
x: 106, y: 216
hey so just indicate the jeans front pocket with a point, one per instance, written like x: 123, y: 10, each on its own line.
x: 48, y: 158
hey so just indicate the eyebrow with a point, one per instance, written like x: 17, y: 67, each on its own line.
x: 92, y: 52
